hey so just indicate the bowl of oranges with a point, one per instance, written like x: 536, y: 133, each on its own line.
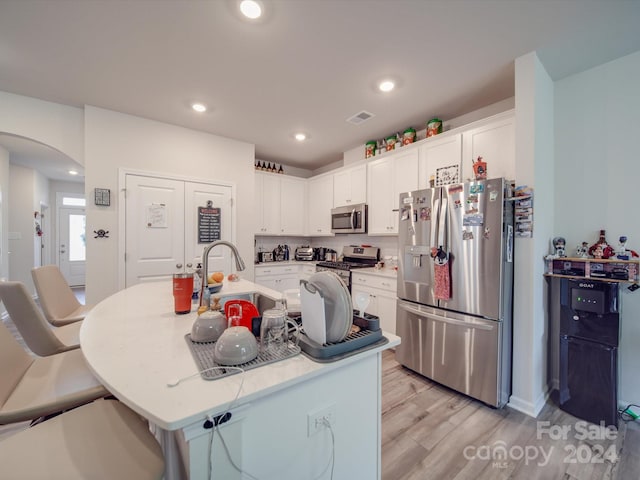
x: 214, y: 282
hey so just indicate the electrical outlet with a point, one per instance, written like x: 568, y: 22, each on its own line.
x: 315, y: 419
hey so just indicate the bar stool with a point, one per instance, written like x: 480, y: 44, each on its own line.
x: 33, y: 387
x: 40, y: 337
x: 103, y: 439
x: 59, y: 304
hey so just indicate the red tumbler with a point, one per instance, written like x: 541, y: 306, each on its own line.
x: 182, y: 292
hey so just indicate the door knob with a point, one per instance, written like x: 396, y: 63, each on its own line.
x: 178, y: 265
x: 189, y: 265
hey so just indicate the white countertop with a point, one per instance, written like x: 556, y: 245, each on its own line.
x: 288, y: 262
x: 134, y: 343
x: 379, y: 272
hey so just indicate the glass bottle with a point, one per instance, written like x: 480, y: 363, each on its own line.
x: 601, y: 249
x: 280, y: 170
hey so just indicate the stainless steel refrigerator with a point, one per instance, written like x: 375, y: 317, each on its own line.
x: 455, y: 287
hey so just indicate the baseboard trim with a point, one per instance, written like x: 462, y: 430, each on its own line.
x: 532, y: 409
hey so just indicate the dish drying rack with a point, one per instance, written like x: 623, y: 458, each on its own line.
x: 202, y: 354
x: 370, y: 336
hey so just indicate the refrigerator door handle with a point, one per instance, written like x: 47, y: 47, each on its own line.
x: 442, y: 226
x: 434, y: 230
x: 451, y: 321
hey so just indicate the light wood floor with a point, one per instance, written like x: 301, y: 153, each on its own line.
x: 431, y: 432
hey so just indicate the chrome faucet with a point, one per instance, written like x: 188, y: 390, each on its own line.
x: 205, y: 263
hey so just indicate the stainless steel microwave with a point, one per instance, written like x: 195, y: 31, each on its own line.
x: 349, y: 219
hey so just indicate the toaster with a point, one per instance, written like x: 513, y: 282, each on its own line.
x: 265, y: 257
x: 304, y: 253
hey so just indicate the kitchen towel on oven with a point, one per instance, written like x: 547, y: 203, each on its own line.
x: 442, y: 288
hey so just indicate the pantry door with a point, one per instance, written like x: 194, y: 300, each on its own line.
x: 154, y: 228
x: 197, y: 196
x: 166, y: 228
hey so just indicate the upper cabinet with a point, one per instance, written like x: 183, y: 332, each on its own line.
x: 293, y: 205
x: 439, y: 153
x: 386, y: 179
x: 267, y: 198
x: 495, y: 142
x: 320, y: 202
x: 350, y: 186
x: 280, y: 204
x: 287, y: 205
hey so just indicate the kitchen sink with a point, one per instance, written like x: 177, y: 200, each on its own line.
x: 262, y: 302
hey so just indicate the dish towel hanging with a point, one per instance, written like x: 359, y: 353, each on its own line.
x: 442, y: 281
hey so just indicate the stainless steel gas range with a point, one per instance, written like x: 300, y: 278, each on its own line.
x: 352, y: 257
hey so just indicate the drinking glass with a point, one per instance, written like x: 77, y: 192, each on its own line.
x: 273, y: 331
x: 234, y: 315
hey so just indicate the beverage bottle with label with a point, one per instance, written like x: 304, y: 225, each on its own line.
x: 607, y: 250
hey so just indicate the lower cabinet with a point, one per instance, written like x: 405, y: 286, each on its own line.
x: 282, y: 277
x: 382, y: 297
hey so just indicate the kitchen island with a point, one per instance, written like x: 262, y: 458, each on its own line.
x: 135, y: 344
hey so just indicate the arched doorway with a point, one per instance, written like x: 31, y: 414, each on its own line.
x: 32, y: 175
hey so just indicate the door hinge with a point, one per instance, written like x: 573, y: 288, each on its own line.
x: 125, y: 256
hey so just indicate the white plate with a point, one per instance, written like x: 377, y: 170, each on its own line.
x: 337, y: 304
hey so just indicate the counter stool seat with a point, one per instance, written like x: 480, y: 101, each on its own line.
x: 42, y: 338
x: 103, y: 439
x: 33, y: 387
x: 59, y: 304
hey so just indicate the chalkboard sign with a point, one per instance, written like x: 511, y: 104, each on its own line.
x: 208, y: 224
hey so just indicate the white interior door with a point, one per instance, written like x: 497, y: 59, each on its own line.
x: 163, y: 234
x: 154, y: 228
x: 216, y: 226
x: 72, y: 244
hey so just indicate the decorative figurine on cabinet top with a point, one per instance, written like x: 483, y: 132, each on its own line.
x: 581, y: 250
x: 623, y: 253
x: 559, y: 244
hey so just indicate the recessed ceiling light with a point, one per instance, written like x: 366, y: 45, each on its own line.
x: 73, y: 172
x: 198, y: 107
x: 386, y: 86
x: 251, y: 9
x: 300, y: 136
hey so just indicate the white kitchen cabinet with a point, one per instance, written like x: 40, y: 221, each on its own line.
x: 281, y: 277
x: 494, y: 141
x: 382, y: 297
x: 293, y: 205
x: 280, y: 204
x: 307, y: 270
x: 386, y: 179
x: 437, y: 153
x: 267, y: 203
x: 350, y: 186
x: 320, y: 202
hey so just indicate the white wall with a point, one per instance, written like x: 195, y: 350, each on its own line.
x: 114, y: 140
x: 52, y: 124
x: 4, y: 213
x: 22, y: 201
x: 40, y: 198
x: 534, y: 167
x: 597, y: 119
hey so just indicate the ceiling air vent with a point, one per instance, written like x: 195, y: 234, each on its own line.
x: 361, y: 117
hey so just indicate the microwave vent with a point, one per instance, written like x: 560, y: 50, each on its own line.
x: 361, y: 117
